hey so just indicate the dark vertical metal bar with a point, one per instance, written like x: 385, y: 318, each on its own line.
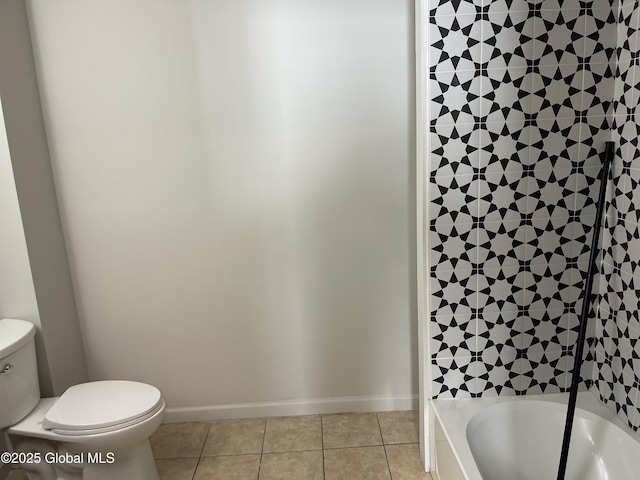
x: 584, y: 316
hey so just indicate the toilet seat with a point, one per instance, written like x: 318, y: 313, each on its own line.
x: 104, y: 406
x: 112, y: 428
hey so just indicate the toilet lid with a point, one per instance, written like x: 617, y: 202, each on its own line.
x: 101, y: 404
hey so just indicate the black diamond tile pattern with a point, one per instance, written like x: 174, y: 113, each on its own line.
x: 523, y: 96
x: 616, y: 336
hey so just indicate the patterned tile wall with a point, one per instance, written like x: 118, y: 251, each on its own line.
x: 616, y: 372
x: 520, y: 105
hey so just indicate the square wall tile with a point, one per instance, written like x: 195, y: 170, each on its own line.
x: 543, y: 331
x: 502, y: 32
x: 555, y: 141
x: 453, y: 244
x: 562, y: 36
x: 455, y: 98
x: 501, y: 244
x: 454, y: 197
x: 541, y: 372
x: 453, y: 377
x: 498, y: 327
x: 598, y: 90
x: 550, y: 282
x: 497, y: 287
x: 455, y: 149
x: 506, y: 191
x: 454, y: 42
x: 453, y: 291
x: 563, y: 92
x: 550, y: 240
x: 453, y: 335
x: 506, y: 139
x: 494, y: 370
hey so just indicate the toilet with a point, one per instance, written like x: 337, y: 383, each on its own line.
x: 94, y: 431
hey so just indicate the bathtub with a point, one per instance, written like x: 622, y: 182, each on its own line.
x: 519, y: 438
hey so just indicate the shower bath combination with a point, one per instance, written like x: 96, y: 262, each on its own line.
x: 507, y: 438
x: 520, y: 115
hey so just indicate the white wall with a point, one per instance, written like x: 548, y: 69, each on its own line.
x: 16, y: 285
x: 17, y: 294
x: 36, y: 281
x: 235, y: 185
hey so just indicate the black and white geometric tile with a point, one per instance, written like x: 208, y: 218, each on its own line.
x: 453, y: 336
x: 522, y: 101
x: 452, y: 377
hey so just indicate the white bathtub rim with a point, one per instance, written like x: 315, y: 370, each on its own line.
x: 454, y: 416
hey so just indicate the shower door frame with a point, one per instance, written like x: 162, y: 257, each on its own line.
x: 422, y: 226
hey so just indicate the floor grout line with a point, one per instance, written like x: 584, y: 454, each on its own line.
x: 383, y: 445
x: 206, y: 437
x: 323, y: 449
x: 264, y: 436
x: 324, y: 473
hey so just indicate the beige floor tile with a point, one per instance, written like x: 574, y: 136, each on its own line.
x: 17, y: 474
x: 236, y: 467
x: 235, y: 437
x: 350, y: 430
x: 179, y: 440
x: 399, y: 427
x: 293, y: 434
x: 363, y: 463
x: 176, y: 468
x: 404, y: 462
x: 292, y: 466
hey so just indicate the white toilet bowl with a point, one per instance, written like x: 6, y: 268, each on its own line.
x: 118, y: 450
x: 94, y: 431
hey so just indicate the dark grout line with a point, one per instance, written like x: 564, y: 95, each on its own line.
x: 324, y: 475
x: 401, y: 443
x: 264, y: 436
x: 354, y: 446
x: 258, y: 453
x: 384, y: 446
x: 323, y: 448
x: 206, y: 437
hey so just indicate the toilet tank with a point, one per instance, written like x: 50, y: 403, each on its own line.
x: 19, y: 389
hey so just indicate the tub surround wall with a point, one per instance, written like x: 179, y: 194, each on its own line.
x: 616, y: 371
x: 520, y: 108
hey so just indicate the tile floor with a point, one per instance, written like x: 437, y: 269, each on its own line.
x: 355, y: 446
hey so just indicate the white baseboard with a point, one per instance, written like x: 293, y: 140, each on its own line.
x: 374, y: 403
